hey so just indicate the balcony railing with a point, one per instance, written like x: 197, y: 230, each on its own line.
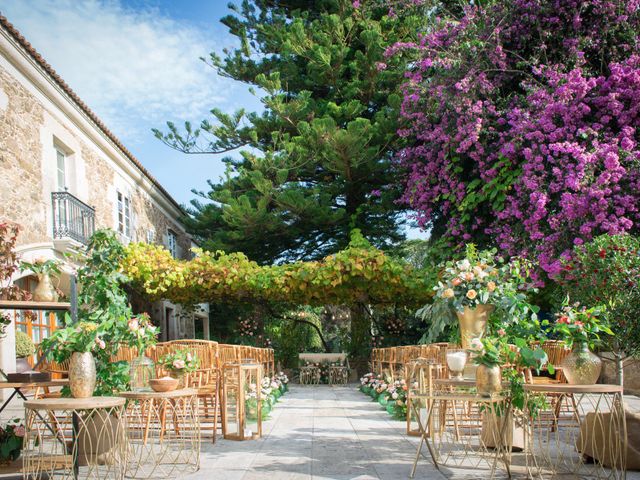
x: 72, y: 218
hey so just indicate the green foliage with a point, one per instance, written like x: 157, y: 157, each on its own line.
x: 103, y: 304
x: 24, y: 345
x: 580, y: 325
x: 41, y: 266
x: 11, y: 440
x: 606, y: 272
x: 318, y: 161
x: 357, y: 275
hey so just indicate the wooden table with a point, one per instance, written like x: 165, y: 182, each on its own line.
x: 589, y: 439
x: 84, y: 438
x: 461, y: 442
x: 17, y: 388
x: 164, y: 433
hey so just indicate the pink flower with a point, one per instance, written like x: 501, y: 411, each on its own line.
x: 19, y: 431
x: 502, y: 332
x: 134, y: 325
x: 178, y: 364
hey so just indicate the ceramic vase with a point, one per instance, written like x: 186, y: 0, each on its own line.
x: 82, y: 375
x: 45, y: 291
x: 581, y: 367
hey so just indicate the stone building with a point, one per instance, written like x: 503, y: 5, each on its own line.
x: 64, y: 174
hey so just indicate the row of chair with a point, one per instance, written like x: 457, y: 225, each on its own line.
x: 391, y: 361
x: 207, y: 378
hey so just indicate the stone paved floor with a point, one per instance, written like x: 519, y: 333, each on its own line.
x: 319, y: 432
x: 322, y: 432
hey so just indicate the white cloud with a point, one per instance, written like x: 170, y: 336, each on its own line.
x: 134, y: 68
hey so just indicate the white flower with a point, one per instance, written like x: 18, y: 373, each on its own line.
x: 464, y: 264
x: 134, y: 325
x: 394, y: 395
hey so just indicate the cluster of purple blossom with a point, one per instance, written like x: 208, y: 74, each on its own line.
x: 539, y: 101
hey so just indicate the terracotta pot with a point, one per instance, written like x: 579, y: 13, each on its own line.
x: 82, y: 375
x: 473, y: 323
x: 45, y: 291
x: 581, y: 367
x: 488, y: 380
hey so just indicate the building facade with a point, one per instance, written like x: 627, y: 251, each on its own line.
x: 64, y: 175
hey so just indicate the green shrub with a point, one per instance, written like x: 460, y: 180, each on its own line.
x: 24, y: 345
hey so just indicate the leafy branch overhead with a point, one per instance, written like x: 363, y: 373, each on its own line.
x: 358, y: 274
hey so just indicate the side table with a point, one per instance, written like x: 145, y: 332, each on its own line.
x: 73, y: 438
x: 164, y: 433
x: 455, y: 439
x: 590, y: 441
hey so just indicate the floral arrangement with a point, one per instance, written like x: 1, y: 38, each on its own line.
x: 142, y: 332
x: 397, y: 399
x: 576, y: 324
x: 179, y: 362
x: 81, y: 337
x: 474, y: 280
x: 11, y: 440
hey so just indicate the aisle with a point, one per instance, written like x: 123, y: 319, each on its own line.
x: 319, y: 432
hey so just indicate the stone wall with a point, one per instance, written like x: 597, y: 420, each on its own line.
x: 20, y: 160
x: 24, y: 198
x: 631, y: 374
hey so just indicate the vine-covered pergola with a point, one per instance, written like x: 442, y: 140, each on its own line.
x: 355, y: 276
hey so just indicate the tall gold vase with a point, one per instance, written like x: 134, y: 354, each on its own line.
x: 82, y: 375
x: 473, y: 323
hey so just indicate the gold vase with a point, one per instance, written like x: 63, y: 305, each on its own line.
x: 488, y: 380
x: 45, y: 291
x: 473, y: 323
x: 82, y: 375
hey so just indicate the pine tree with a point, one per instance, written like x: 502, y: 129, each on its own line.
x: 318, y: 161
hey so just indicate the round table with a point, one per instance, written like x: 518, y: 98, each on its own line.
x: 581, y: 430
x: 75, y: 438
x: 164, y: 433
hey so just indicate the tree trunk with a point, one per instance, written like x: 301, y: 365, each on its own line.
x: 360, y: 338
x: 619, y: 368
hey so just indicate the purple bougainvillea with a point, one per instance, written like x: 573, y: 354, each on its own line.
x: 523, y: 123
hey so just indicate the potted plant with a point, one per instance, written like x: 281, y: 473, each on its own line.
x: 24, y: 349
x: 77, y: 341
x: 11, y: 441
x: 142, y: 334
x: 581, y: 327
x: 44, y: 269
x: 179, y: 363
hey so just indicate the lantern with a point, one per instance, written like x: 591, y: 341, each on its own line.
x: 242, y: 401
x: 420, y: 374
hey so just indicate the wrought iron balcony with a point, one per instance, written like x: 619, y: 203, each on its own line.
x: 72, y: 218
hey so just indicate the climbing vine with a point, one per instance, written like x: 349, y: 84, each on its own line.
x: 358, y: 274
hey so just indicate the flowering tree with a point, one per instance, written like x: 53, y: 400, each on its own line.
x: 523, y: 119
x: 606, y: 272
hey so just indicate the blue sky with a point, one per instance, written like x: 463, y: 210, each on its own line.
x: 136, y: 64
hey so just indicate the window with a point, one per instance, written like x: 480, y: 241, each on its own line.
x: 172, y: 243
x: 61, y: 170
x: 124, y: 215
